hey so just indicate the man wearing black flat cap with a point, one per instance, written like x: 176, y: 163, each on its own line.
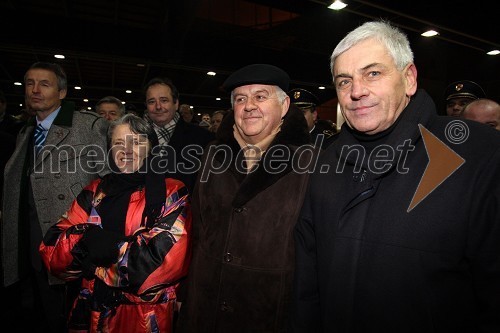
x: 322, y: 131
x: 245, y: 204
x: 460, y: 93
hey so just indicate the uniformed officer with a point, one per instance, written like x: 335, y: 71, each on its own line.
x: 460, y: 93
x: 307, y: 102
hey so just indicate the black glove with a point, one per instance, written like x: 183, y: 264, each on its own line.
x: 101, y: 245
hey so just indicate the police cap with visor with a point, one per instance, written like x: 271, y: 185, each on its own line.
x: 303, y: 98
x: 464, y: 89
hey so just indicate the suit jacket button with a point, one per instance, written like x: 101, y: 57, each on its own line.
x: 228, y: 257
x: 61, y: 197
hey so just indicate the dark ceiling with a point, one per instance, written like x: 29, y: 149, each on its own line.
x: 112, y: 46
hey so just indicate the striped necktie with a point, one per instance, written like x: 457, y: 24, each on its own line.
x: 39, y: 137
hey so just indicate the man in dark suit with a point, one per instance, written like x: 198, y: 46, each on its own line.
x: 183, y: 142
x: 58, y: 153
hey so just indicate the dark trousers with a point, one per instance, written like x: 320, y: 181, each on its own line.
x: 35, y: 306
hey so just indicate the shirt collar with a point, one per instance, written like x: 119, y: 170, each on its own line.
x: 47, y: 122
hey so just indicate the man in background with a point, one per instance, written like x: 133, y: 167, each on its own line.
x: 216, y: 120
x: 460, y: 93
x: 184, y: 142
x: 187, y: 113
x: 483, y: 110
x: 321, y: 131
x: 110, y: 108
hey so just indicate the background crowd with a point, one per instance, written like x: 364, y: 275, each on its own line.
x: 261, y: 217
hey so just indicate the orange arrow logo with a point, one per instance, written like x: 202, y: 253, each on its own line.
x: 443, y: 162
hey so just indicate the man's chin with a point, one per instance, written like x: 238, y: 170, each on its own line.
x: 161, y: 121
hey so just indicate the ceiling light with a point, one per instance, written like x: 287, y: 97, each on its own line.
x: 211, y: 73
x: 141, y: 65
x: 493, y: 52
x: 217, y: 99
x: 18, y: 84
x: 430, y: 33
x: 85, y: 100
x: 337, y: 5
x: 321, y: 88
x: 89, y: 108
x: 123, y: 102
x: 128, y: 91
x: 78, y: 88
x: 59, y: 56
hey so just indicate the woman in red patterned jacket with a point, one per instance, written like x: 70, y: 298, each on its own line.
x: 127, y: 236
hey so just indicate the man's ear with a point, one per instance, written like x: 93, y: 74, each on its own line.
x: 285, y: 107
x: 410, y: 75
x: 62, y: 93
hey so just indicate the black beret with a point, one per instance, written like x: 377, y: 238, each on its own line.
x: 257, y: 74
x: 464, y: 88
x: 303, y: 98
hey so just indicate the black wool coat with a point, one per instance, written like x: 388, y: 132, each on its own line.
x: 370, y: 259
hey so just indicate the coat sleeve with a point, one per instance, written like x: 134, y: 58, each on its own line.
x: 57, y: 246
x: 305, y: 315
x: 483, y: 245
x: 158, y: 257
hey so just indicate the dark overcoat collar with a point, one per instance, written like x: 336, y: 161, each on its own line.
x: 420, y: 110
x: 293, y: 133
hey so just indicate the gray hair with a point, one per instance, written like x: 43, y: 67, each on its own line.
x: 394, y: 40
x: 137, y: 126
x: 112, y: 100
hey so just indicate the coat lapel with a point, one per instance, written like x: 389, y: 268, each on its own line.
x: 59, y: 130
x: 55, y: 136
x: 293, y: 133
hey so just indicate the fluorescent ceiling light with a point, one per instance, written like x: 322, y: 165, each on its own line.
x: 128, y: 91
x: 493, y: 52
x: 337, y: 5
x: 430, y: 33
x: 59, y: 56
x: 78, y: 88
x: 211, y: 73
